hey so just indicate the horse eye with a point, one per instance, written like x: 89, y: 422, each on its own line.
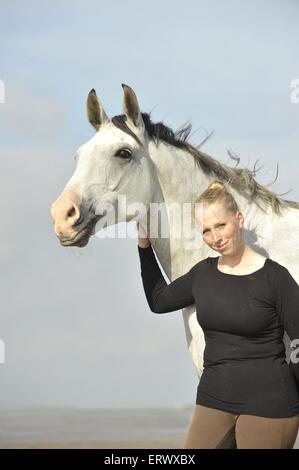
x: 124, y: 153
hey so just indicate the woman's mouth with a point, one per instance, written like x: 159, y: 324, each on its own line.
x: 221, y: 247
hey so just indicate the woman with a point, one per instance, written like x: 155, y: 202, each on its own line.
x: 247, y: 396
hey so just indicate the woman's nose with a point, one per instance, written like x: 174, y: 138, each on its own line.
x: 216, y: 236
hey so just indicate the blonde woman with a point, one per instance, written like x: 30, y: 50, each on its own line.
x: 248, y: 395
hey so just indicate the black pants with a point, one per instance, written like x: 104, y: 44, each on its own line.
x: 215, y: 429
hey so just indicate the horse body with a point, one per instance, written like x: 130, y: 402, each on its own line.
x: 151, y: 166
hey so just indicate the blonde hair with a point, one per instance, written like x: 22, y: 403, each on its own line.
x: 216, y: 192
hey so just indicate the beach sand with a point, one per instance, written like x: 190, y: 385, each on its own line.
x: 96, y: 445
x: 49, y: 428
x: 161, y: 428
x: 102, y: 445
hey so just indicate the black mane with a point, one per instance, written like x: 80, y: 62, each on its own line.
x: 241, y: 179
x: 157, y: 131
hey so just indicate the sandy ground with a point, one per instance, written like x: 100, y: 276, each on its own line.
x: 97, y: 445
x: 102, y: 445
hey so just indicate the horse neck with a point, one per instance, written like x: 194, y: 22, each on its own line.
x: 179, y: 180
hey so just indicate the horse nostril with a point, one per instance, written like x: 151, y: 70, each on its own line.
x: 71, y: 212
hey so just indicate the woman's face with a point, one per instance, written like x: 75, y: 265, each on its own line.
x: 221, y: 230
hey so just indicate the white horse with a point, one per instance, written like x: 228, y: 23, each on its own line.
x: 149, y: 163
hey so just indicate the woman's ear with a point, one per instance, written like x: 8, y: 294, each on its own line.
x: 240, y: 218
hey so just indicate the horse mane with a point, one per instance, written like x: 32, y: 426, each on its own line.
x: 241, y: 179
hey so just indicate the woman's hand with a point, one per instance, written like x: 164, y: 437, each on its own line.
x: 143, y: 241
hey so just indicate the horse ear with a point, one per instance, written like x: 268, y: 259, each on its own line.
x: 95, y: 111
x: 131, y: 107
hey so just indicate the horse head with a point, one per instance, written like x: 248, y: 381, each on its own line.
x: 114, y: 162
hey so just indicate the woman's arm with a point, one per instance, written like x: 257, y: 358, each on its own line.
x: 287, y: 303
x: 163, y: 297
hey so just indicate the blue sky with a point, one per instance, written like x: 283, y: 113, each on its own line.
x: 76, y: 326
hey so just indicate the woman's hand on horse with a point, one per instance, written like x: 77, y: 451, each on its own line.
x: 143, y: 241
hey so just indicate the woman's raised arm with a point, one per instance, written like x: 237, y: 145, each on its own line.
x: 162, y: 297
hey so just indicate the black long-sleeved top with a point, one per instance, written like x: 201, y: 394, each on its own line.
x: 243, y: 318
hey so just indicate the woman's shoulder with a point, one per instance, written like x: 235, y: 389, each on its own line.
x: 278, y: 272
x: 206, y: 263
x: 202, y: 264
x: 275, y: 265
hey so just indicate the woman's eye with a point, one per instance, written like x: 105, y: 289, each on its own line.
x: 124, y: 153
